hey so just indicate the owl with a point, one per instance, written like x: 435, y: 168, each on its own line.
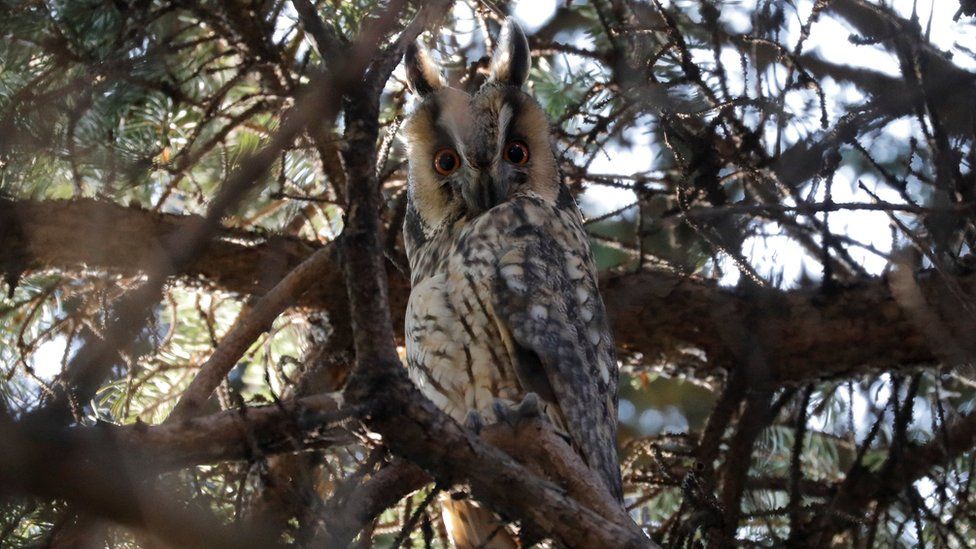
x: 504, y: 310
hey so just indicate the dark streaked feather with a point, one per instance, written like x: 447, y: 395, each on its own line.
x: 543, y: 313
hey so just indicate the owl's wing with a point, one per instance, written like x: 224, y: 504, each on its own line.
x: 546, y: 295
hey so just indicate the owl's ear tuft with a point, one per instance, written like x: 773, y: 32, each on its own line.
x: 511, y: 60
x: 423, y: 74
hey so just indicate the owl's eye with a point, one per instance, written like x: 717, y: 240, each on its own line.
x: 517, y: 152
x: 446, y: 161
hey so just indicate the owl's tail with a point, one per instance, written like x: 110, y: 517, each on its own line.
x: 472, y: 526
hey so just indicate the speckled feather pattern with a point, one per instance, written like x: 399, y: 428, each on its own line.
x: 518, y: 278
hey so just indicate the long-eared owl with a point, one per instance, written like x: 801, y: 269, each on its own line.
x: 504, y: 298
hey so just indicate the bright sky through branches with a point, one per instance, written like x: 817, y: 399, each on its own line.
x: 774, y: 254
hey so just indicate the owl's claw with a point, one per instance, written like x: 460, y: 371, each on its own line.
x: 528, y: 408
x: 474, y: 422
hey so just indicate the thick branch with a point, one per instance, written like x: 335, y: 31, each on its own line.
x: 43, y: 460
x: 325, y: 39
x: 412, y: 427
x: 240, y: 434
x: 658, y: 314
x: 66, y: 234
x: 536, y: 445
x: 348, y: 514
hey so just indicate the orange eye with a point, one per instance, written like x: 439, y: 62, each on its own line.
x: 517, y: 152
x: 446, y: 161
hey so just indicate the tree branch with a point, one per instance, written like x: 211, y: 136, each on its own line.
x: 240, y: 434
x: 346, y: 516
x: 853, y: 329
x: 861, y: 486
x: 325, y: 39
x: 251, y: 323
x: 44, y: 461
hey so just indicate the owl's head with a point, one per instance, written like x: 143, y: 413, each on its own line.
x: 470, y: 153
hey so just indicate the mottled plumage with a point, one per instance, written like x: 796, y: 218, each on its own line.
x: 504, y: 296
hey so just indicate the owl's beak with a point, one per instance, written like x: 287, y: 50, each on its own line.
x: 483, y: 193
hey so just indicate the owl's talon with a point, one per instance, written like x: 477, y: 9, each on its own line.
x: 530, y: 407
x: 474, y: 422
x: 503, y: 412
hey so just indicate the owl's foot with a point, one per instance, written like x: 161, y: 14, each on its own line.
x: 474, y: 422
x: 513, y: 414
x: 528, y: 408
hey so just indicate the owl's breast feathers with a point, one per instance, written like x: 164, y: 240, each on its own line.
x: 507, y: 304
